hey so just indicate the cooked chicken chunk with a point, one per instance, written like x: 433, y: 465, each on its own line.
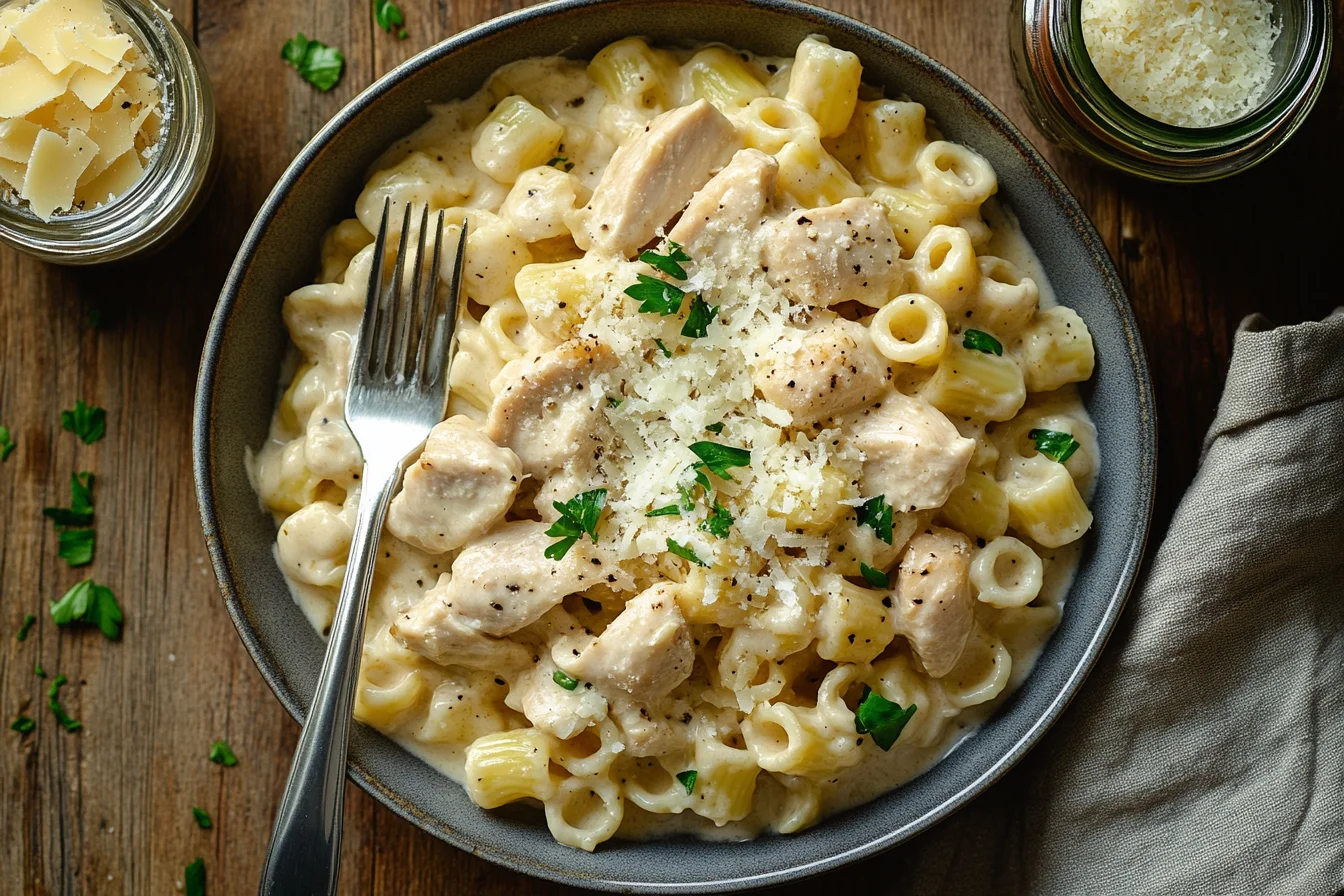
x: 832, y: 368
x: 840, y: 253
x: 652, y: 177
x: 934, y: 606
x: 458, y: 490
x: 646, y: 651
x: 504, y: 581
x: 435, y: 629
x: 545, y: 409
x: 911, y: 452
x: 732, y: 201
x: 559, y: 712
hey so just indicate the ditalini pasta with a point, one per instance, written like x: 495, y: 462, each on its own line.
x: 763, y: 465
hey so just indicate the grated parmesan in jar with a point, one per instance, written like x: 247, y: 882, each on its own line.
x: 1190, y: 63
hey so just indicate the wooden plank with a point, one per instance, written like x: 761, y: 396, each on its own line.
x: 107, y: 810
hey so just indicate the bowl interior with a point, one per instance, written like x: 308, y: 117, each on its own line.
x: 247, y: 341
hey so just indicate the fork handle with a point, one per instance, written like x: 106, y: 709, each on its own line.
x: 304, y: 856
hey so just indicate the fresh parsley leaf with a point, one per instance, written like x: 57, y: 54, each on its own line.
x: 39, y: 671
x: 669, y: 264
x: 25, y: 627
x: 684, y: 552
x: 1055, y: 445
x: 202, y: 818
x: 22, y: 724
x: 875, y: 577
x: 75, y: 546
x: 387, y: 14
x: 655, y: 296
x: 613, y: 401
x: 578, y: 515
x: 687, y: 779
x: 89, y: 423
x: 876, y: 512
x: 222, y: 754
x: 194, y: 878
x: 667, y: 352
x: 716, y: 428
x: 6, y: 443
x: 669, y: 510
x: 54, y: 704
x: 702, y: 475
x: 718, y: 522
x: 718, y: 459
x: 317, y: 63
x: 564, y: 680
x: 698, y: 319
x: 881, y: 718
x: 80, y: 511
x: 980, y: 341
x: 91, y: 603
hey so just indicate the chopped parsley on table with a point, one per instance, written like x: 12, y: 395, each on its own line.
x: 317, y: 63
x: 80, y: 511
x: 578, y: 515
x: 22, y: 724
x: 202, y: 818
x: 91, y: 603
x: 684, y: 552
x: 687, y: 779
x: 881, y: 718
x: 670, y: 264
x: 222, y: 754
x: 75, y: 546
x: 6, y: 443
x: 1058, y: 446
x: 876, y: 514
x: 39, y: 671
x: 54, y: 704
x: 86, y: 421
x: 980, y: 341
x: 564, y: 680
x: 388, y: 15
x: 29, y: 620
x: 194, y: 878
x: 875, y: 577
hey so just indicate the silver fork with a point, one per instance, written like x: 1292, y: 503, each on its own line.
x: 398, y: 391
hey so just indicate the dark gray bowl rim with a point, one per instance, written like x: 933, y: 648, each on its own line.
x: 824, y: 20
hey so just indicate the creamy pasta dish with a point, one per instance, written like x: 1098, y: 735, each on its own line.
x: 763, y: 468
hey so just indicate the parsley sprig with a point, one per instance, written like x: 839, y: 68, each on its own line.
x: 578, y: 515
x: 875, y: 577
x: 86, y: 421
x: 655, y: 296
x: 687, y: 779
x: 881, y: 718
x: 388, y: 16
x: 1058, y: 446
x: 317, y: 63
x: 94, y: 604
x: 7, y: 444
x: 718, y: 459
x: 718, y: 522
x: 980, y: 341
x: 671, y: 263
x: 876, y: 513
x: 698, y: 318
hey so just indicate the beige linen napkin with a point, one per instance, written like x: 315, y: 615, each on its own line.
x: 1205, y: 754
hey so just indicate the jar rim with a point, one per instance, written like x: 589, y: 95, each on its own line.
x: 175, y: 174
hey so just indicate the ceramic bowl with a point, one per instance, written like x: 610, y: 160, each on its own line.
x: 247, y: 341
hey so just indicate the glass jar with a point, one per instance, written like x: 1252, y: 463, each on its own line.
x: 177, y: 180
x: 1074, y: 107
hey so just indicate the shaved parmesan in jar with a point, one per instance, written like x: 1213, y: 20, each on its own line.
x: 1190, y: 63
x: 80, y: 108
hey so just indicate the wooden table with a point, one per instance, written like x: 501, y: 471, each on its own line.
x: 107, y: 810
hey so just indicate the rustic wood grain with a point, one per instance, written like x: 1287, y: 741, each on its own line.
x: 107, y: 810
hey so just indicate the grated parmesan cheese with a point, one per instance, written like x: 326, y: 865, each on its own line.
x: 80, y: 113
x: 1190, y: 63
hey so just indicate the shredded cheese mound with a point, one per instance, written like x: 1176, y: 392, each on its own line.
x: 1191, y: 63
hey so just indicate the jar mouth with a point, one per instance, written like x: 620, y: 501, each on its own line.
x: 139, y: 217
x: 1301, y: 54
